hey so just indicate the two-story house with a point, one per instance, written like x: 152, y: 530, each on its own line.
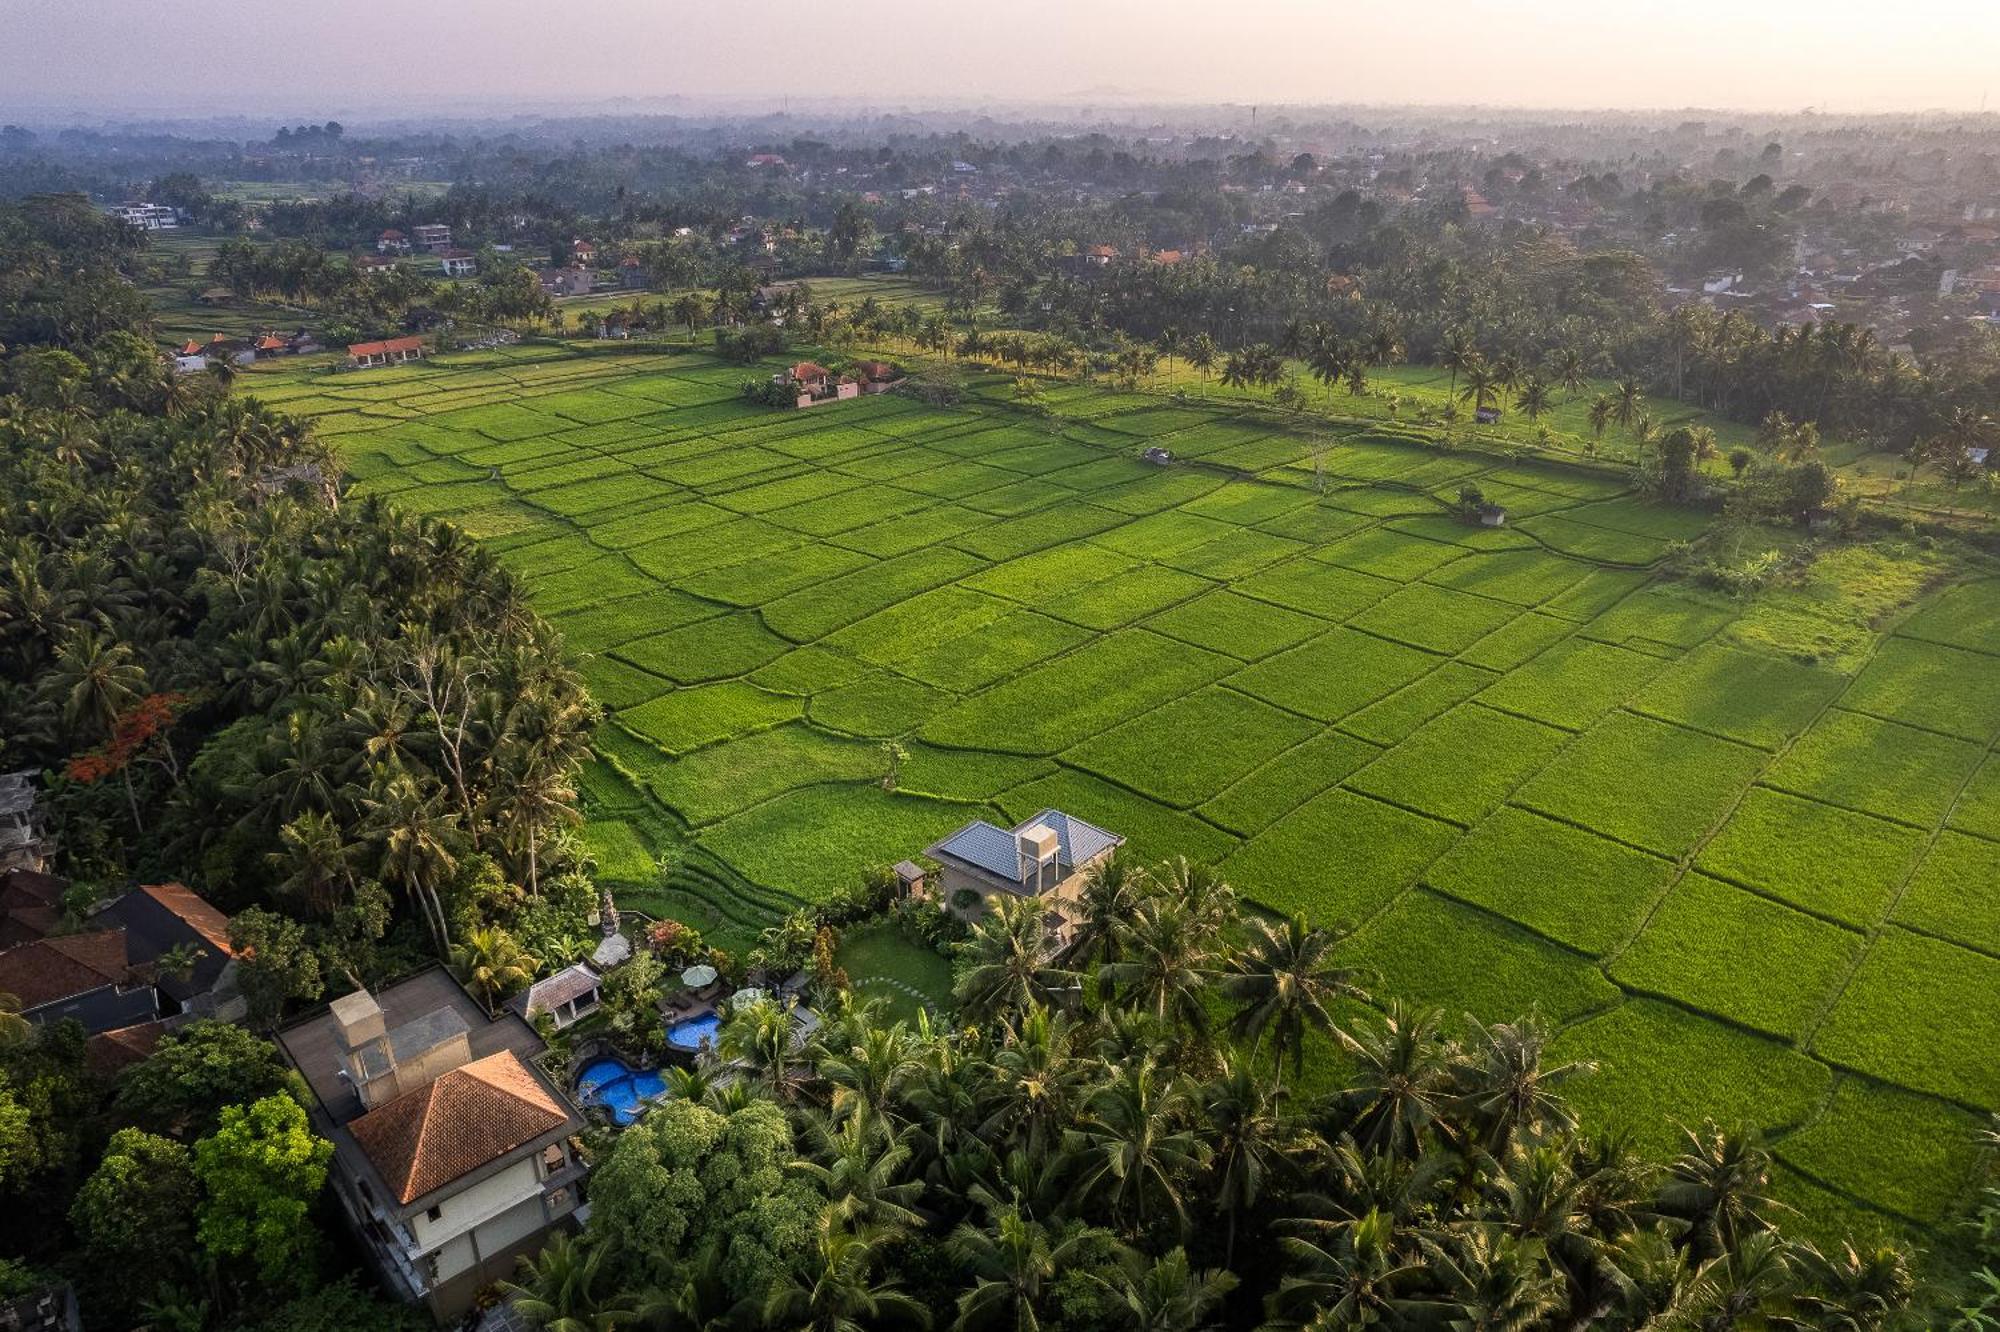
x: 1045, y: 857
x: 453, y: 1153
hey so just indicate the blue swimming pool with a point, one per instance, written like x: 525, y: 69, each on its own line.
x: 694, y: 1033
x: 619, y: 1088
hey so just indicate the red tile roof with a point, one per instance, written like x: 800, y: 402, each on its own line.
x: 112, y: 1052
x: 808, y: 370
x: 469, y: 1118
x: 386, y: 347
x: 63, y: 966
x: 190, y: 907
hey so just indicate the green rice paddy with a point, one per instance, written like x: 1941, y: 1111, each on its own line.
x: 1527, y: 769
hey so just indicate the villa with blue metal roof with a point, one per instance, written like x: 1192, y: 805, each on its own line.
x: 1046, y: 856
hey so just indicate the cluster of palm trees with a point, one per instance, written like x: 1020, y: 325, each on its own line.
x: 354, y: 694
x: 1114, y: 1134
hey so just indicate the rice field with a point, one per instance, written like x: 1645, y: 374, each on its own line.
x: 1526, y: 768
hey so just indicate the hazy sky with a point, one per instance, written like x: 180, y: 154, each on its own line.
x: 324, y: 57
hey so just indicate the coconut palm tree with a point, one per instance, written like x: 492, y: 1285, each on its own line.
x: 1013, y: 1260
x: 1135, y: 1150
x: 1630, y: 402
x: 1035, y: 1082
x: 1533, y: 398
x: 1401, y: 1083
x: 1169, y: 1295
x: 96, y: 677
x: 863, y: 1169
x: 1569, y: 371
x: 1718, y: 1187
x: 1112, y: 890
x: 491, y: 963
x: 557, y: 1289
x: 1602, y: 410
x: 1164, y: 964
x: 1456, y: 355
x: 415, y: 838
x: 759, y: 1037
x: 1201, y: 354
x: 1284, y: 981
x: 1248, y: 1139
x: 836, y: 1288
x: 1014, y: 963
x: 1506, y: 1089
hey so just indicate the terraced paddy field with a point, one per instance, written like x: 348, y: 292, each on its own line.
x: 1529, y: 770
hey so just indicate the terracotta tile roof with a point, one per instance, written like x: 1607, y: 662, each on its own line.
x: 382, y: 348
x: 469, y: 1118
x: 191, y: 908
x: 49, y: 970
x: 111, y: 1052
x: 808, y: 370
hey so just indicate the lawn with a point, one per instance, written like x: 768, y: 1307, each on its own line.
x: 1738, y: 850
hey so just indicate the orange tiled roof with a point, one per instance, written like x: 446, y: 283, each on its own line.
x: 185, y: 903
x: 470, y: 1117
x: 381, y: 348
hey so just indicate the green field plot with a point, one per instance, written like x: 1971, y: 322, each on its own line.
x: 1747, y: 696
x: 725, y: 779
x: 618, y: 685
x: 689, y: 718
x: 1394, y: 718
x: 1316, y: 588
x: 717, y: 649
x: 1461, y: 766
x: 1389, y: 555
x: 1561, y: 881
x: 1920, y: 1013
x: 1979, y: 807
x: 1052, y: 707
x: 820, y: 609
x: 1689, y: 779
x: 1518, y: 641
x: 1930, y: 685
x: 1956, y: 892
x: 1878, y: 767
x: 1338, y: 857
x: 1821, y: 858
x: 767, y: 577
x: 1223, y: 621
x: 1288, y: 781
x: 1434, y: 617
x: 1119, y: 600
x: 1967, y: 616
x: 1334, y: 674
x: 815, y: 842
x: 1241, y: 552
x: 1906, y: 1154
x: 1569, y: 537
x: 1662, y: 615
x: 1716, y: 948
x: 967, y: 774
x: 882, y: 705
x: 1189, y: 750
x: 987, y: 655
x: 1660, y: 1068
x: 620, y: 852
x: 1573, y: 684
x: 1432, y: 950
x: 1524, y: 577
x: 808, y: 670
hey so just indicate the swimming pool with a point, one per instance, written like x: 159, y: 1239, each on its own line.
x: 619, y: 1088
x: 695, y: 1032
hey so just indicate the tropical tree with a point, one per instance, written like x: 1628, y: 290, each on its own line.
x: 1013, y: 964
x: 837, y: 1289
x: 492, y: 964
x: 1284, y: 982
x: 558, y: 1289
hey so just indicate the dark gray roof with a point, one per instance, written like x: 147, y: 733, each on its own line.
x: 997, y: 851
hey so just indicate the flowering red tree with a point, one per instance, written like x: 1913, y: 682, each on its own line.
x: 138, y: 734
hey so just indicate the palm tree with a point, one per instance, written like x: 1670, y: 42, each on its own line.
x: 1135, y: 1149
x: 1169, y: 343
x: 863, y: 1173
x: 557, y: 1289
x: 1169, y: 1295
x: 1568, y: 370
x: 1718, y: 1187
x: 1602, y: 409
x: 1631, y: 402
x: 1481, y: 382
x: 759, y: 1036
x: 1013, y: 961
x: 1353, y: 1276
x: 97, y: 678
x: 1283, y: 982
x: 1457, y: 354
x: 1848, y: 1291
x: 1533, y: 398
x: 1401, y: 1081
x: 1163, y: 968
x: 415, y: 838
x: 869, y: 1077
x: 835, y: 1289
x: 1013, y: 1261
x: 1201, y: 354
x: 1113, y: 888
x: 1035, y: 1083
x: 1244, y: 1132
x: 1506, y: 1088
x: 491, y: 963
x: 317, y: 860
